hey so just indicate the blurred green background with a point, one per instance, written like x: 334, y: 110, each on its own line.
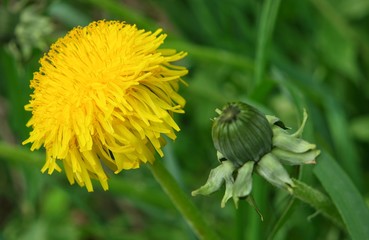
x: 281, y: 56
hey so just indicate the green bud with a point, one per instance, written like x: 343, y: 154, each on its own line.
x: 248, y: 141
x: 241, y: 133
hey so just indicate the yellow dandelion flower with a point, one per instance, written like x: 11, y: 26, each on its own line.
x: 104, y: 96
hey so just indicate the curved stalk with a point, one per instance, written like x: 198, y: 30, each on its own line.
x: 182, y: 202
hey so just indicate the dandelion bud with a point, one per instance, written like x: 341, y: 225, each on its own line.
x: 241, y: 133
x: 248, y: 141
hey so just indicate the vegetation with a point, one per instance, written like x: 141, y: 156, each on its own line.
x: 280, y: 56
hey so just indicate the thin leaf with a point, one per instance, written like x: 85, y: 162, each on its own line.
x: 267, y: 22
x: 349, y: 202
x: 122, y: 11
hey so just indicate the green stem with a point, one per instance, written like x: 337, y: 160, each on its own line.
x: 17, y: 154
x: 286, y: 211
x: 259, y: 192
x: 317, y: 200
x: 182, y: 202
x: 282, y: 219
x: 241, y: 215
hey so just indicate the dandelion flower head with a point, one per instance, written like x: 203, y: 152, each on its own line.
x: 104, y: 97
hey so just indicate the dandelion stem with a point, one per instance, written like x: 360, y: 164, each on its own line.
x: 182, y: 202
x: 317, y: 200
x: 16, y: 154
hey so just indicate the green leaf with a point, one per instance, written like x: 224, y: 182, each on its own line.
x: 345, y: 148
x: 68, y: 14
x: 118, y: 10
x: 346, y: 197
x: 332, y: 44
x: 359, y: 127
x: 267, y: 22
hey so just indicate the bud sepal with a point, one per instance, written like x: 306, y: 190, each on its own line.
x: 273, y: 171
x: 216, y: 178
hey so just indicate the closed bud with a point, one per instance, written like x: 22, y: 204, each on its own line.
x: 241, y: 133
x: 248, y: 141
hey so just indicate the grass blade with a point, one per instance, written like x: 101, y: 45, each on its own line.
x: 348, y: 200
x: 268, y: 17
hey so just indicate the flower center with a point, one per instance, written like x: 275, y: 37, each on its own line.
x: 230, y: 114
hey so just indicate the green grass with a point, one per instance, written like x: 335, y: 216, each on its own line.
x: 281, y: 56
